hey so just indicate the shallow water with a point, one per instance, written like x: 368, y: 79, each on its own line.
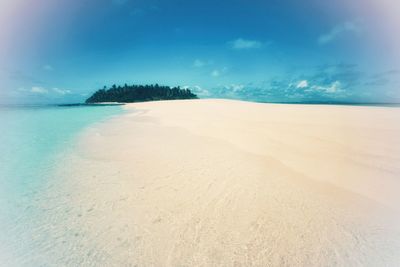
x: 32, y: 141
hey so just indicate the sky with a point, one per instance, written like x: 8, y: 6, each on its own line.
x: 61, y: 51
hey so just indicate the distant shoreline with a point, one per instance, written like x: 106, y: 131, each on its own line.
x: 92, y: 104
x: 359, y: 104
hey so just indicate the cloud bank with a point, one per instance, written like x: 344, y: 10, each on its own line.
x: 324, y: 83
x: 38, y: 90
x: 338, y: 30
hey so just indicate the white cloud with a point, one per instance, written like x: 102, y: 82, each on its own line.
x: 215, y: 73
x: 61, y: 91
x: 198, y: 90
x: 349, y: 26
x: 39, y: 90
x: 42, y: 90
x: 240, y: 44
x: 302, y: 84
x: 335, y: 87
x: 201, y: 91
x: 48, y: 67
x: 199, y: 63
x: 219, y: 72
x: 235, y: 87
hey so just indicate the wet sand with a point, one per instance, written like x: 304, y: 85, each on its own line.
x: 230, y: 183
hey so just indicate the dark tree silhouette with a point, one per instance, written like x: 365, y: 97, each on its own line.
x: 139, y: 93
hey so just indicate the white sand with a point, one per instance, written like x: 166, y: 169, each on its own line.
x: 230, y: 183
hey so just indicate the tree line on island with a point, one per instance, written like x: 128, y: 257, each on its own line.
x: 139, y: 93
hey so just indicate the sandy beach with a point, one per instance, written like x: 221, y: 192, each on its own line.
x: 231, y: 183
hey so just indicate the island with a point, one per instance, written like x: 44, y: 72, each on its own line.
x: 139, y: 93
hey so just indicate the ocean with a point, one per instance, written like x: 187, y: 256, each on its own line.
x: 32, y: 140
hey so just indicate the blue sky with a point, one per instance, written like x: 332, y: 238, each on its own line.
x: 62, y: 51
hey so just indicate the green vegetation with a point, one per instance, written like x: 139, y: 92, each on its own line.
x: 139, y: 93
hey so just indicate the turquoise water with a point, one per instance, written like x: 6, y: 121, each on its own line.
x: 31, y: 140
x: 32, y: 136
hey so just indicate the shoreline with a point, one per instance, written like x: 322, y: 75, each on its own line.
x: 210, y: 182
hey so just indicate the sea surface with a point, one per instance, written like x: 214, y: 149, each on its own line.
x: 32, y: 140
